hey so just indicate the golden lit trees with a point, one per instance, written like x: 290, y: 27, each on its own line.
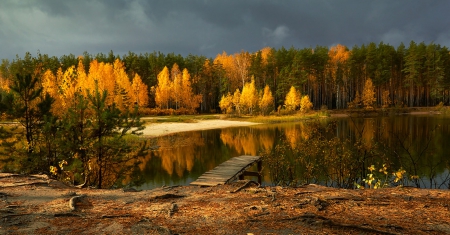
x: 162, y: 92
x: 241, y: 63
x: 231, y: 73
x: 176, y: 85
x: 188, y: 99
x: 226, y: 103
x: 338, y: 56
x: 4, y: 81
x: 103, y: 75
x: 83, y: 82
x: 122, y: 86
x: 265, y: 52
x: 266, y: 103
x: 139, y: 92
x: 368, y: 96
x: 68, y: 87
x: 179, y: 90
x: 235, y: 66
x: 95, y: 73
x: 292, y: 100
x: 305, y: 104
x: 110, y: 77
x: 51, y: 86
x: 249, y: 97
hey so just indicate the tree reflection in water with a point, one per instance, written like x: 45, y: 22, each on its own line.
x: 183, y: 157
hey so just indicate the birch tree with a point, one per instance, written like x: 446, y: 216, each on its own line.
x: 266, y: 103
x: 162, y: 93
x: 292, y: 100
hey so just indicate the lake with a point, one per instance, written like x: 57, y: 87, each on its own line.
x: 418, y: 144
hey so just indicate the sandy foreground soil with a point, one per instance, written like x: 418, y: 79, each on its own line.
x: 36, y: 204
x: 159, y: 129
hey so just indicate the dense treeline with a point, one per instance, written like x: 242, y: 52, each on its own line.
x: 73, y: 115
x: 417, y: 75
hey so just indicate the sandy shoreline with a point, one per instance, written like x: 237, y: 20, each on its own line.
x: 160, y: 129
x: 166, y: 128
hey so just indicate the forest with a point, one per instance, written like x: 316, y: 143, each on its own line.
x: 76, y: 113
x: 332, y: 77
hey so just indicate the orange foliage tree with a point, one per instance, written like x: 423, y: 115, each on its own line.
x: 236, y: 101
x: 249, y: 97
x: 305, y: 104
x: 176, y: 85
x: 236, y: 67
x: 179, y: 90
x: 226, y: 103
x: 188, y: 99
x: 163, y: 89
x: 368, y: 96
x: 65, y: 86
x: 292, y: 100
x: 266, y: 103
x: 122, y: 86
x: 139, y: 92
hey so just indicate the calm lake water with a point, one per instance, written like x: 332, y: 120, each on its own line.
x: 181, y: 158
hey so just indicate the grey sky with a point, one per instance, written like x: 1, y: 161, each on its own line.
x: 206, y: 27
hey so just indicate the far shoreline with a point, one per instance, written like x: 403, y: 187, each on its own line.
x: 157, y: 129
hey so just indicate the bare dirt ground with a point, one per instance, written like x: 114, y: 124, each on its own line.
x: 160, y: 129
x: 38, y: 205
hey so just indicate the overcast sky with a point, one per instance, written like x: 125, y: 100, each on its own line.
x: 206, y: 27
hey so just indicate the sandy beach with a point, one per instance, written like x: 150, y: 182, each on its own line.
x: 160, y: 129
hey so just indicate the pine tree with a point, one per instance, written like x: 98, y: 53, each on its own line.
x: 108, y: 127
x: 30, y: 107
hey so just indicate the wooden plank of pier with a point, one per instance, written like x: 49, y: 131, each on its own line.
x: 227, y: 171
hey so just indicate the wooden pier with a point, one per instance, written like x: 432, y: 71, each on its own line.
x: 229, y: 171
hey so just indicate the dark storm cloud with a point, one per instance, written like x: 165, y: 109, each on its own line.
x: 206, y: 27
